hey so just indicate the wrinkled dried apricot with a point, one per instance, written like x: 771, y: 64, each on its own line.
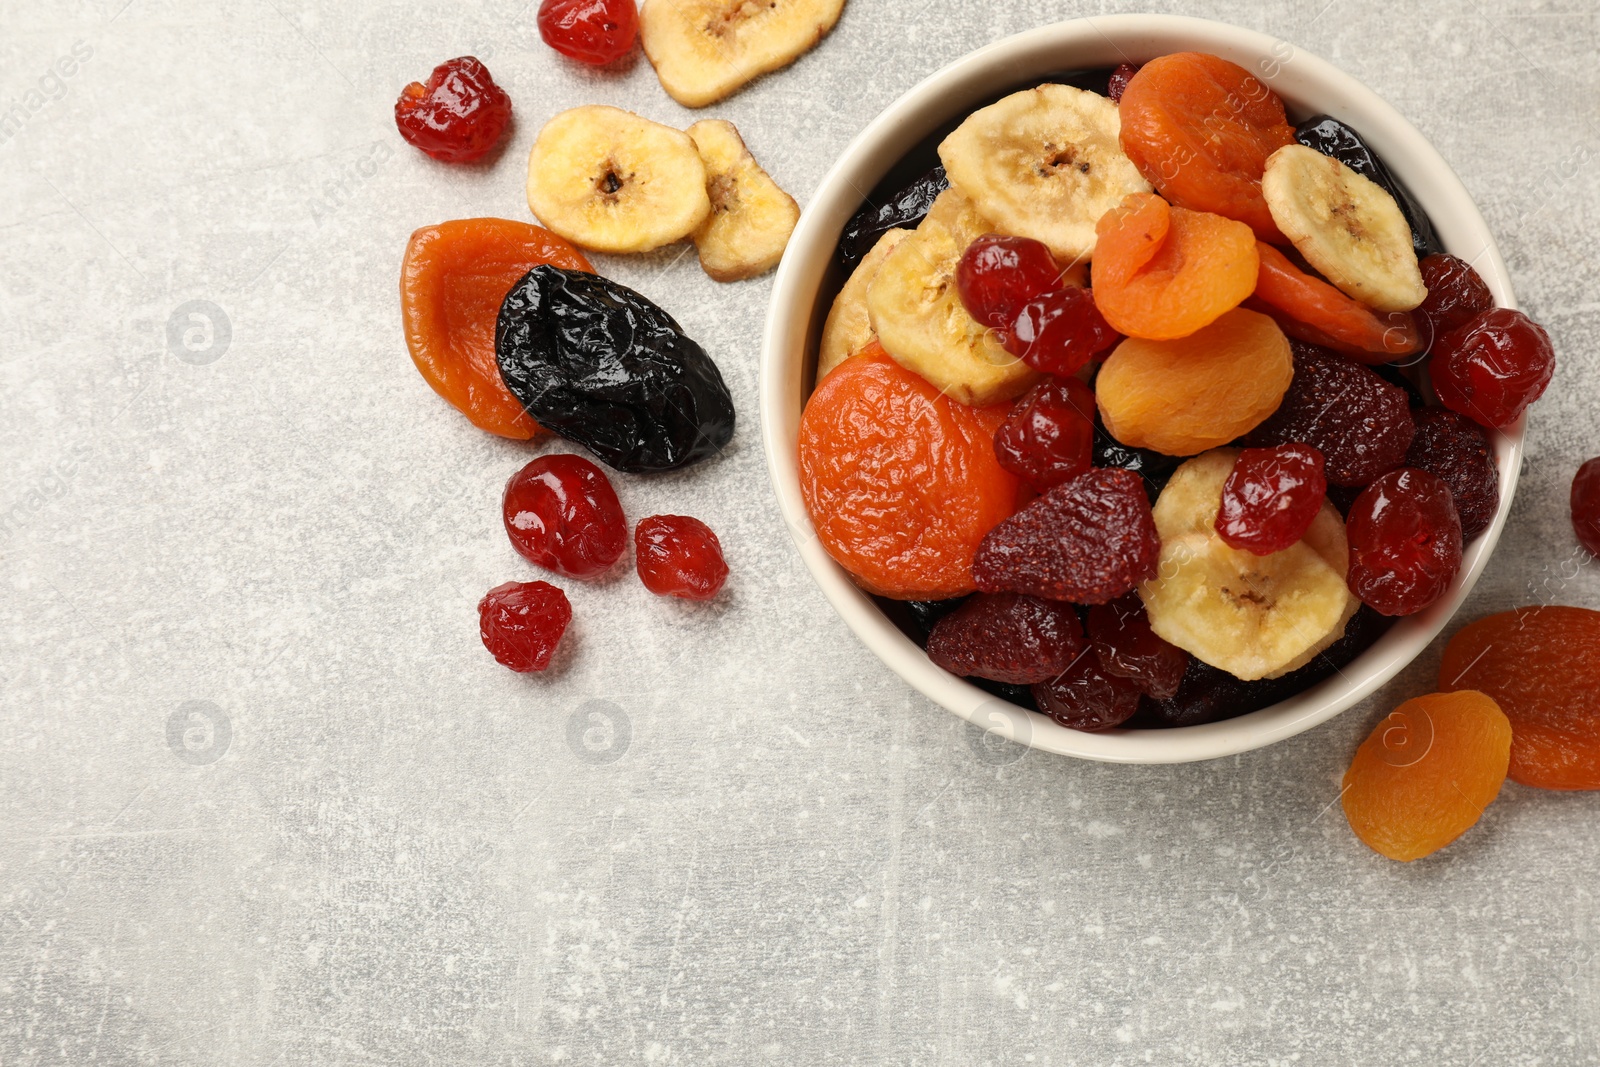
x: 1162, y: 272
x: 1423, y: 776
x: 1313, y: 311
x: 1542, y: 666
x: 454, y: 277
x: 901, y: 482
x: 1200, y: 130
x: 1182, y: 397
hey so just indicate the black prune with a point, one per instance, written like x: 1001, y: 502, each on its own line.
x: 1154, y: 467
x: 1333, y: 138
x: 904, y: 208
x: 596, y: 363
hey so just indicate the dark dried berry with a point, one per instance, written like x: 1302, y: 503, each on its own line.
x: 1005, y: 637
x: 1360, y: 423
x: 1119, y: 81
x: 1456, y: 449
x: 1127, y: 648
x: 1154, y: 467
x: 1270, y: 498
x: 1049, y: 436
x: 997, y: 275
x: 1586, y: 505
x: 1084, y: 697
x: 1087, y: 541
x: 1456, y: 294
x: 900, y: 208
x: 1333, y: 138
x: 601, y: 365
x: 522, y: 622
x: 1059, y: 332
x: 456, y: 117
x: 1492, y: 368
x: 562, y: 514
x: 679, y: 556
x: 1405, y: 542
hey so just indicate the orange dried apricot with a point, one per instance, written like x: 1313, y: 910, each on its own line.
x: 1542, y: 665
x: 453, y: 279
x: 1309, y: 309
x: 901, y: 481
x: 1182, y: 397
x: 1200, y: 130
x: 1162, y: 272
x: 1423, y: 776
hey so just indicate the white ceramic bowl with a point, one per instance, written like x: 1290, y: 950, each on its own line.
x: 802, y: 290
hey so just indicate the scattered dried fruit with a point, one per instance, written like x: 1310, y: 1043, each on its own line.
x: 1128, y: 648
x: 562, y: 514
x: 751, y: 218
x: 1542, y: 666
x: 1425, y: 774
x: 596, y: 32
x: 1492, y: 368
x: 521, y: 623
x: 1271, y: 498
x: 1405, y: 542
x: 679, y: 556
x: 458, y: 116
x: 703, y: 50
x: 1048, y: 438
x: 1456, y: 449
x: 1006, y: 637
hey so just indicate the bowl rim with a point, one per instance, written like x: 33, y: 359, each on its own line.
x: 792, y: 316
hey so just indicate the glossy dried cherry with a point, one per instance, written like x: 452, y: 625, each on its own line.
x: 596, y: 32
x: 1270, y: 498
x: 1456, y: 449
x: 1456, y: 293
x: 1128, y: 648
x: 1049, y: 436
x: 521, y: 623
x: 679, y: 556
x: 1119, y: 80
x: 562, y: 514
x: 997, y: 275
x: 1007, y: 637
x: 1586, y: 505
x: 456, y: 117
x: 1085, y: 697
x: 1059, y: 332
x: 1493, y: 367
x: 1405, y: 542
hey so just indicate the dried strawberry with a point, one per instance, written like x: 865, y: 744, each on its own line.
x: 1007, y: 637
x: 1086, y: 541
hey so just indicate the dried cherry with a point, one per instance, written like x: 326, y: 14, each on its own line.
x: 679, y: 556
x: 1456, y: 449
x: 1456, y: 294
x: 1126, y: 647
x: 1007, y: 637
x: 1049, y: 436
x: 1405, y: 542
x: 1059, y: 332
x: 456, y: 117
x: 1270, y: 498
x: 1119, y: 80
x: 562, y: 514
x: 601, y: 365
x: 997, y: 275
x: 521, y: 623
x: 1086, y: 697
x: 1585, y: 501
x: 596, y: 32
x: 1493, y: 367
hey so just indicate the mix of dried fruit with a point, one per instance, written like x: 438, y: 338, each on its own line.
x: 1204, y: 336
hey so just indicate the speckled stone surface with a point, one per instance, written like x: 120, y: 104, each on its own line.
x: 264, y: 799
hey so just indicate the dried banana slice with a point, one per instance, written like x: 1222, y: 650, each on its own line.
x: 849, y: 327
x: 705, y: 49
x: 1346, y: 225
x: 1044, y: 163
x: 751, y: 218
x: 612, y: 181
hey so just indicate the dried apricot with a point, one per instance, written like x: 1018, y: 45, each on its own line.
x: 1423, y: 776
x: 1311, y: 310
x: 1542, y: 665
x: 1200, y: 130
x: 1185, y: 396
x: 1162, y: 272
x: 453, y: 279
x: 901, y: 481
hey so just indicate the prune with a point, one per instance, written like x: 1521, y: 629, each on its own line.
x: 902, y: 209
x: 1006, y: 637
x: 1456, y: 294
x: 599, y: 364
x: 562, y: 514
x: 1405, y: 542
x: 924, y: 614
x: 1128, y: 648
x: 997, y: 275
x: 1333, y: 138
x: 1086, y: 697
x: 1087, y: 541
x: 1059, y: 332
x: 1360, y: 423
x: 456, y: 117
x: 1270, y: 498
x: 522, y: 622
x: 1154, y: 467
x: 679, y: 556
x: 596, y: 32
x: 1456, y: 449
x: 1492, y: 368
x: 1049, y: 436
x: 1585, y: 501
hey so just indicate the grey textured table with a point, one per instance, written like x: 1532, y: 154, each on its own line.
x: 267, y: 801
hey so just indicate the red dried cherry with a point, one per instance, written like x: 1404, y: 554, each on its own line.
x: 1049, y: 436
x: 1405, y: 542
x: 1493, y: 367
x: 522, y: 622
x: 562, y: 514
x: 1128, y: 648
x: 1456, y: 293
x: 679, y: 556
x: 1059, y: 332
x: 458, y: 115
x: 1085, y: 697
x: 997, y: 275
x: 1586, y: 505
x: 1457, y: 450
x: 1119, y: 81
x: 596, y: 32
x: 1007, y: 637
x: 1270, y: 498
